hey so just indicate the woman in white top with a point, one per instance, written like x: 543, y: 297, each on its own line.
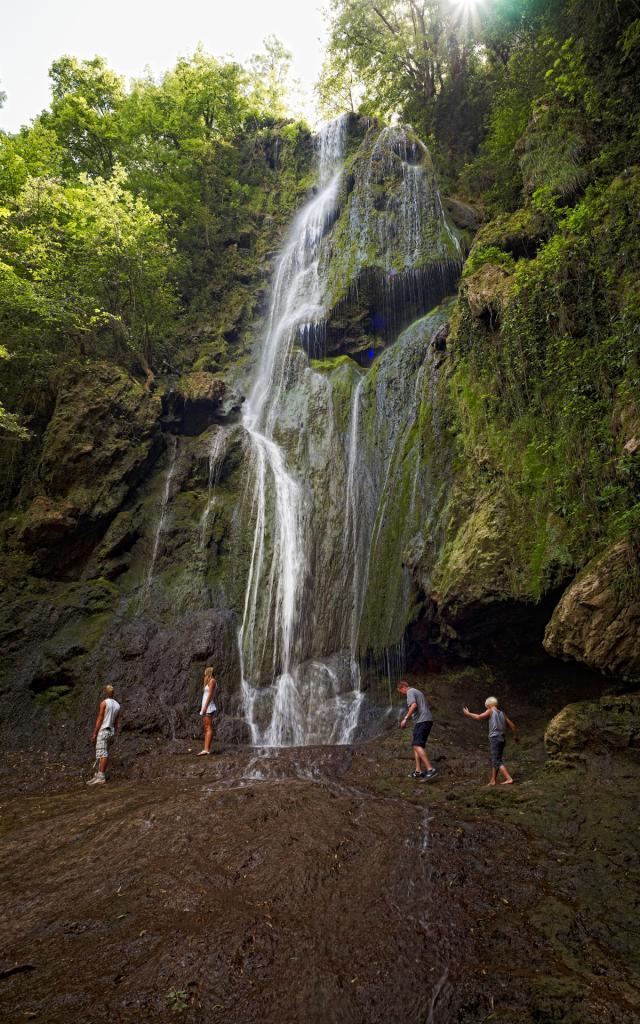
x: 207, y: 709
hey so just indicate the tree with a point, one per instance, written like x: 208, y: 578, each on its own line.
x: 86, y: 96
x: 423, y: 61
x: 269, y: 79
x: 83, y: 265
x: 9, y: 423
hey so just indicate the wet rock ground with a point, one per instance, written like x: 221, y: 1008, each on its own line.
x: 322, y: 885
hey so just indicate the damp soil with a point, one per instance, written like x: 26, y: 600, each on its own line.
x: 322, y: 885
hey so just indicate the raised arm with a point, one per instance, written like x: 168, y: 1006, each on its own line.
x: 471, y: 714
x: 98, y: 721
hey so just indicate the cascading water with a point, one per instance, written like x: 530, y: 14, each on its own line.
x: 161, y: 523
x: 318, y: 521
x: 278, y: 565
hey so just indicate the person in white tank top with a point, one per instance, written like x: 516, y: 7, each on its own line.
x: 207, y: 709
x: 107, y: 722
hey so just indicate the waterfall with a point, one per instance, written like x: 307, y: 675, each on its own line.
x: 278, y: 564
x: 160, y: 525
x: 358, y: 522
x: 319, y: 497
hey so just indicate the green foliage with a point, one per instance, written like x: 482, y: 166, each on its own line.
x: 425, y: 62
x: 176, y: 1000
x: 10, y: 425
x: 269, y: 79
x: 79, y: 259
x: 128, y: 216
x: 84, y: 113
x: 488, y: 254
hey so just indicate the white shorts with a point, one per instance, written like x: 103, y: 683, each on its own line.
x: 105, y: 736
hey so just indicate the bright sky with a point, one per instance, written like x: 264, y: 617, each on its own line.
x: 132, y: 34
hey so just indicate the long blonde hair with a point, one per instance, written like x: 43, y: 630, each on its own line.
x: 208, y: 674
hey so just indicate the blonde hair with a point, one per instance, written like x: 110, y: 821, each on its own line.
x: 491, y: 702
x: 109, y: 691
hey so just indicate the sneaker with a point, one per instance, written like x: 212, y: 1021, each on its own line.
x: 97, y: 780
x: 416, y: 775
x: 431, y: 774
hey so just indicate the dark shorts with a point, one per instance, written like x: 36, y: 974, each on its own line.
x: 496, y: 746
x: 421, y: 732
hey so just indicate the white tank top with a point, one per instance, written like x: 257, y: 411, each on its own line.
x: 211, y: 710
x: 110, y: 713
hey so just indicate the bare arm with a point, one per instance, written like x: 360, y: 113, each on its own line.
x: 117, y: 724
x: 410, y: 711
x: 210, y: 688
x: 478, y: 718
x: 513, y: 727
x: 98, y: 721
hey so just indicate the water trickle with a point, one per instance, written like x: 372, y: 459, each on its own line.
x: 217, y: 451
x: 172, y: 446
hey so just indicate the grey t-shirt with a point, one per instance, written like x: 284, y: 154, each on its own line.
x: 497, y: 723
x: 417, y: 697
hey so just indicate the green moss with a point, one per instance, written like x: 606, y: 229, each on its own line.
x: 329, y: 365
x: 532, y: 397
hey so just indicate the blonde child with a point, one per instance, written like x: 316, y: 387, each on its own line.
x: 497, y: 740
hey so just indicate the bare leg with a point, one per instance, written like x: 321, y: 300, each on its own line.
x: 508, y: 781
x: 422, y: 761
x: 102, y: 764
x: 208, y: 739
x: 492, y: 780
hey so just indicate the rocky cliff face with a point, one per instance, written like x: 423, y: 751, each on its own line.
x: 426, y: 489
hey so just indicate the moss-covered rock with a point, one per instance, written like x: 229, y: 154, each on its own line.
x: 465, y: 216
x: 517, y: 234
x: 102, y: 438
x: 597, y: 620
x: 486, y: 293
x: 198, y: 400
x: 611, y: 722
x: 541, y: 416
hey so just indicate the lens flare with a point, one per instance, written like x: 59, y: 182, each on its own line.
x: 466, y: 11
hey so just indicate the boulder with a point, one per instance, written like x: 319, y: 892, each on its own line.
x: 486, y: 293
x: 519, y: 234
x: 612, y: 722
x: 463, y: 215
x: 597, y: 620
x: 199, y: 400
x: 47, y: 522
x: 158, y: 669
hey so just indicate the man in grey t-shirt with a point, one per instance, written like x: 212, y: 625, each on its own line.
x: 418, y: 709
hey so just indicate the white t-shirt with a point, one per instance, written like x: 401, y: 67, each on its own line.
x: 110, y: 713
x: 212, y: 708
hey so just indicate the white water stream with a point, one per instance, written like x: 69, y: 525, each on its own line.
x: 278, y: 563
x: 292, y: 696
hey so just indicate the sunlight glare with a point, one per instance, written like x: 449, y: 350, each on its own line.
x: 466, y: 11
